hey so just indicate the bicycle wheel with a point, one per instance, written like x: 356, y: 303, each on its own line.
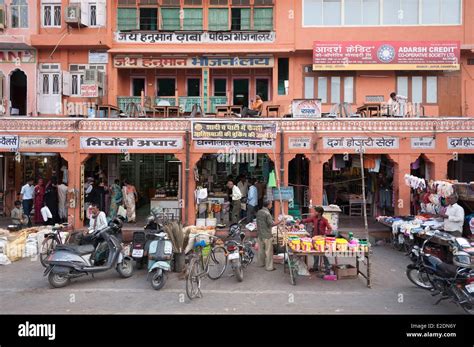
x: 217, y: 263
x: 193, y: 280
x: 47, y: 247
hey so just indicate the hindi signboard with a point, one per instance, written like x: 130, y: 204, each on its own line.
x: 196, y: 37
x: 423, y: 143
x: 357, y: 142
x: 461, y: 142
x: 386, y: 55
x: 89, y: 90
x: 9, y: 142
x: 43, y: 142
x: 121, y: 143
x: 210, y: 144
x: 284, y: 193
x: 153, y: 62
x: 299, y: 143
x: 233, y: 131
x: 306, y: 108
x: 98, y: 57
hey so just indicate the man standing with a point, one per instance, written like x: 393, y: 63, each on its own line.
x: 236, y: 196
x: 453, y: 217
x: 264, y: 234
x: 244, y: 188
x: 62, y: 197
x: 252, y: 201
x: 26, y: 196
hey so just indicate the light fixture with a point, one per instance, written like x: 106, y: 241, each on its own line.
x: 45, y: 160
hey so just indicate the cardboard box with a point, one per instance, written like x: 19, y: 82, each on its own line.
x: 345, y: 271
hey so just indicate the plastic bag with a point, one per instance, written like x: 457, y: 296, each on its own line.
x: 4, y: 260
x: 302, y: 268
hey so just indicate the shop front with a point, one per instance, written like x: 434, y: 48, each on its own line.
x: 151, y: 165
x: 186, y: 81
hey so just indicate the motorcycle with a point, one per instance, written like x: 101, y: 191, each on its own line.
x: 141, y: 240
x: 239, y: 251
x: 73, y: 261
x: 451, y: 281
x: 160, y: 253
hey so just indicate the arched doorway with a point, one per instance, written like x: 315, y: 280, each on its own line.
x: 18, y: 93
x: 298, y: 178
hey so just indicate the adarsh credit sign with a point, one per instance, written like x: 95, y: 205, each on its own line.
x: 386, y: 55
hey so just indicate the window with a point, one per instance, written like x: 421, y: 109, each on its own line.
x: 92, y: 15
x: 126, y: 19
x: 220, y: 87
x: 218, y: 2
x: 56, y: 81
x: 148, y: 18
x: 432, y: 89
x: 51, y: 15
x: 394, y: 12
x: 192, y: 19
x: 362, y: 12
x: 309, y: 87
x: 262, y: 86
x: 240, y: 19
x: 77, y: 79
x: 138, y: 84
x: 323, y: 89
x: 263, y: 18
x: 194, y: 86
x: 283, y: 74
x: 170, y: 19
x: 19, y: 17
x: 402, y: 86
x: 218, y: 19
x: 335, y: 90
x: 45, y: 84
x: 349, y: 90
x: 166, y: 87
x: 417, y: 89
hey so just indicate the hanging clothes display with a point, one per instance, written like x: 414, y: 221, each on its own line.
x: 378, y: 161
x: 369, y: 161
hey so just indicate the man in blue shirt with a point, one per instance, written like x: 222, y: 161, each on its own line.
x: 252, y: 201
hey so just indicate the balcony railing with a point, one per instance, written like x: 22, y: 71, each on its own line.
x: 185, y: 102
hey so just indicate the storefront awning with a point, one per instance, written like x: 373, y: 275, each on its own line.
x: 14, y: 45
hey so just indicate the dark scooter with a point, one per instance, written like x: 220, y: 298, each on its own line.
x: 72, y: 261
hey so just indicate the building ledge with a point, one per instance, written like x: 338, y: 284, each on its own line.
x: 69, y: 40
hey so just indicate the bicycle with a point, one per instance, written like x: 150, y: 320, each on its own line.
x: 51, y: 240
x: 212, y: 266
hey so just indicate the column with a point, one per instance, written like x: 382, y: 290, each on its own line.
x: 316, y: 178
x: 402, y: 191
x: 440, y: 165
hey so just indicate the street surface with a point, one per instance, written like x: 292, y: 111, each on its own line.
x: 24, y: 290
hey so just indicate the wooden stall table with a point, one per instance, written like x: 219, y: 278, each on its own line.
x: 172, y: 110
x: 273, y: 109
x: 294, y: 255
x: 222, y: 110
x: 235, y: 109
x: 160, y: 111
x: 370, y: 109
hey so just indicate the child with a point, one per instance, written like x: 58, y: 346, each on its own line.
x: 18, y: 216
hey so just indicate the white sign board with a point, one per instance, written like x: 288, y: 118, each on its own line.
x: 98, y: 57
x: 226, y: 144
x: 121, y: 143
x: 299, y: 142
x: 461, y: 142
x: 43, y: 142
x: 423, y: 143
x: 9, y: 142
x: 358, y: 142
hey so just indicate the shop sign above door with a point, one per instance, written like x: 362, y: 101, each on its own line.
x: 358, y: 142
x: 234, y: 131
x: 196, y: 37
x: 43, y: 142
x: 9, y: 142
x: 139, y: 61
x: 423, y: 143
x: 299, y: 143
x: 123, y: 143
x: 233, y: 144
x: 461, y: 142
x: 386, y: 55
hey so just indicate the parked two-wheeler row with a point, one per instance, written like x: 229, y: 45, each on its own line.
x: 453, y: 282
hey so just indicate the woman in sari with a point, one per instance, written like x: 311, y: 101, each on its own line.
x: 116, y: 198
x: 130, y: 197
x: 38, y: 201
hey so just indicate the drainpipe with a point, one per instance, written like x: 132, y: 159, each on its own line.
x: 282, y: 149
x: 186, y: 177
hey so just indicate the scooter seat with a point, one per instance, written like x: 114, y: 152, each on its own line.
x: 79, y: 249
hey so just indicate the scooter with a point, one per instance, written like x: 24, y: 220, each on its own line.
x: 141, y: 241
x: 160, y: 253
x: 72, y: 261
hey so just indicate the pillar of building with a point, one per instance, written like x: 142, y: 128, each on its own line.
x: 316, y: 188
x: 75, y: 161
x: 402, y: 191
x: 439, y: 165
x: 189, y: 186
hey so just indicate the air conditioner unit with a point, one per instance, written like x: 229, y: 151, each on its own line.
x: 3, y: 20
x: 73, y: 15
x: 94, y: 77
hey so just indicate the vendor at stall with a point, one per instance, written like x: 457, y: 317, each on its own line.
x: 236, y: 197
x: 453, y: 217
x: 321, y: 226
x: 264, y: 234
